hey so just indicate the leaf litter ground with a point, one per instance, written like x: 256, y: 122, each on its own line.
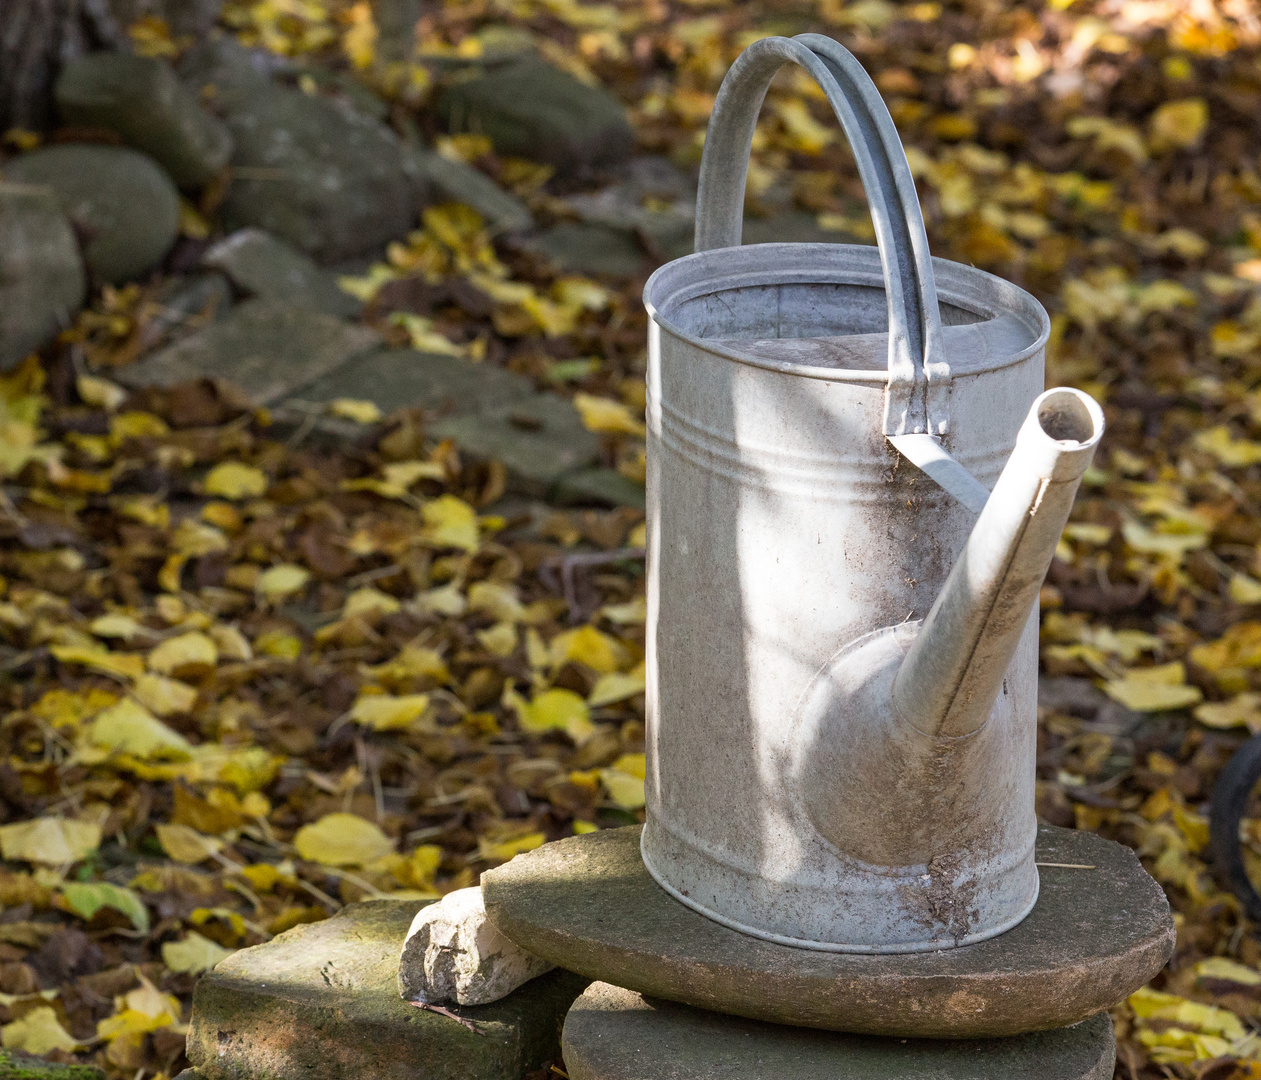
x: 249, y: 678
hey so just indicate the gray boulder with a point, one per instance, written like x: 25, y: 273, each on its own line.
x: 533, y: 110
x: 309, y: 169
x: 124, y: 206
x: 261, y: 265
x: 264, y: 348
x: 141, y: 99
x: 41, y: 275
x: 583, y: 247
x: 439, y: 179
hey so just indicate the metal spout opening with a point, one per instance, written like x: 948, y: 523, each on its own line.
x: 952, y: 673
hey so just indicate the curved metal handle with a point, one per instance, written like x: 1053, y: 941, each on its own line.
x: 917, y: 399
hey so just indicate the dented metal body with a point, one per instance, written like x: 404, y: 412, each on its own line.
x: 842, y: 660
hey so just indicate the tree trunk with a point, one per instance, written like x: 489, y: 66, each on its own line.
x: 36, y: 37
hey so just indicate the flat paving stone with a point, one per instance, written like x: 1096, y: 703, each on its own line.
x: 321, y: 1001
x: 616, y: 1034
x: 404, y: 378
x: 262, y: 347
x: 539, y: 439
x: 1094, y: 936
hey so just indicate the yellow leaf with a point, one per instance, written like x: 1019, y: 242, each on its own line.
x: 187, y: 845
x: 148, y: 1000
x: 412, y: 662
x: 1219, y: 967
x: 638, y: 536
x: 444, y: 600
x: 627, y: 792
x: 163, y: 696
x: 497, y: 600
x: 249, y: 769
x: 1178, y: 124
x: 196, y: 538
x: 606, y: 415
x: 49, y: 840
x: 130, y: 728
x: 100, y: 393
x: 279, y: 644
x: 369, y: 601
x: 1150, y: 542
x: 503, y: 850
x: 449, y: 522
x: 1153, y: 689
x: 342, y: 840
x: 588, y: 646
x: 1231, y: 452
x: 192, y: 650
x: 234, y: 480
x: 1244, y: 589
x: 416, y: 871
x: 283, y: 580
x: 361, y: 412
x: 397, y: 477
x: 1243, y: 710
x: 499, y: 640
x: 38, y: 1032
x: 359, y: 40
x: 553, y: 710
x: 127, y: 665
x: 1239, y: 647
x: 616, y: 686
x: 115, y: 625
x: 1149, y: 1004
x: 193, y: 954
x: 386, y: 712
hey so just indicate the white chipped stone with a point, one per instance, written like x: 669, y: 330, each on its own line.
x: 454, y: 954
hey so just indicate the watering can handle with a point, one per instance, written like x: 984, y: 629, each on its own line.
x: 917, y: 399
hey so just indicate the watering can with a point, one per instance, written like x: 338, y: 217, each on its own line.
x: 842, y: 615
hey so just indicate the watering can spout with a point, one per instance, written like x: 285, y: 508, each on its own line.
x: 953, y: 671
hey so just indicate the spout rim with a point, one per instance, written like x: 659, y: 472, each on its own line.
x: 1061, y: 432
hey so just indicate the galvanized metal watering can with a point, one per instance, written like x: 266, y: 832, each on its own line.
x: 842, y: 618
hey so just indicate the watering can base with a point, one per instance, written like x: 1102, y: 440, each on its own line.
x: 937, y: 944
x: 1095, y: 935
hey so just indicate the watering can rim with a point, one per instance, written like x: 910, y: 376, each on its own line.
x: 1029, y: 306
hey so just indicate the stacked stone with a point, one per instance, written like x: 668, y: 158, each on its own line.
x: 681, y: 996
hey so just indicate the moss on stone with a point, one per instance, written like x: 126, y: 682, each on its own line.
x: 21, y: 1067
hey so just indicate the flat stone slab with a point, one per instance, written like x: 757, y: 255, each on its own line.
x: 615, y: 1034
x: 404, y: 378
x: 539, y: 439
x: 262, y: 347
x: 1094, y: 936
x: 321, y: 1000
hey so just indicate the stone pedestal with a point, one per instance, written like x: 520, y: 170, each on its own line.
x: 615, y: 1034
x: 1101, y: 928
x: 322, y: 1001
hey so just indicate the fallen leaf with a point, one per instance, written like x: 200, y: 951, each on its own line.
x: 342, y: 840
x: 361, y: 412
x: 85, y: 899
x: 37, y: 1032
x: 233, y: 480
x: 283, y: 580
x: 193, y: 954
x: 186, y: 845
x: 130, y: 728
x: 605, y: 416
x: 50, y: 840
x: 386, y: 712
